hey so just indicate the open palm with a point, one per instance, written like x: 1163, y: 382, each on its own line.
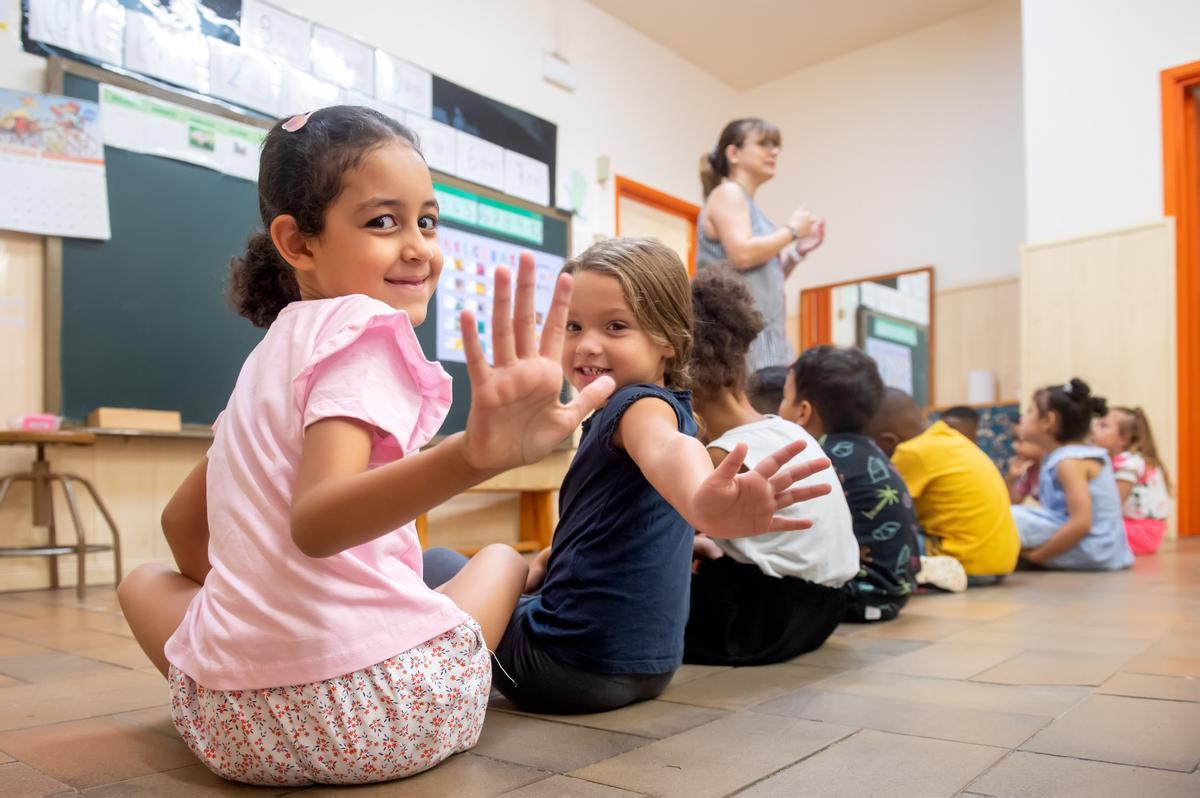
x: 516, y: 416
x: 729, y: 504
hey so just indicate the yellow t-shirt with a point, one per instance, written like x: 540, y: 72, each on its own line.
x: 961, y: 500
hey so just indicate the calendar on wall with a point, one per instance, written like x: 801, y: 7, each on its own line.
x: 52, y: 178
x: 469, y: 268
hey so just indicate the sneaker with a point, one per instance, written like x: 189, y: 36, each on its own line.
x: 945, y: 573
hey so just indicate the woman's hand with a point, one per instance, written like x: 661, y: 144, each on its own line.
x: 801, y: 222
x: 516, y: 416
x: 815, y: 237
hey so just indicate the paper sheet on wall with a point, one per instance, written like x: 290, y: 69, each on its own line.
x: 301, y: 93
x: 340, y: 59
x: 400, y: 83
x: 140, y: 123
x: 277, y: 33
x: 178, y: 56
x: 387, y: 109
x: 894, y: 361
x: 94, y: 28
x: 479, y: 161
x: 438, y: 142
x: 244, y: 76
x: 527, y: 178
x: 52, y: 178
x: 466, y: 284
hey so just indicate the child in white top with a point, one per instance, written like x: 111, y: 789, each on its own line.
x: 774, y: 596
x: 1142, y: 480
x: 299, y: 640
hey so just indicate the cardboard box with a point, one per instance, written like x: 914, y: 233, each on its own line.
x: 132, y: 418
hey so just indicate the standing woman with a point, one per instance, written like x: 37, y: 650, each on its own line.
x: 734, y: 230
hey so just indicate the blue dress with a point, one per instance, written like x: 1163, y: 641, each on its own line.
x: 1105, y: 548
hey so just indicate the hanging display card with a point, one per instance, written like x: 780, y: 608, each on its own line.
x: 178, y: 56
x: 52, y: 179
x: 340, y: 59
x: 527, y: 178
x: 479, y: 161
x: 438, y: 142
x: 140, y: 123
x: 400, y: 83
x: 95, y: 28
x: 244, y: 76
x: 300, y: 92
x: 277, y: 33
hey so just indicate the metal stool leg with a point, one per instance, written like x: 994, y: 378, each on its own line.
x: 81, y: 542
x: 108, y: 519
x: 42, y: 510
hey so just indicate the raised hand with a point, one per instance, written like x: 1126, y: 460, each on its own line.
x: 729, y: 504
x: 813, y: 239
x: 516, y: 416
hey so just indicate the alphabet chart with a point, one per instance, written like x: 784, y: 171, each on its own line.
x: 468, y: 272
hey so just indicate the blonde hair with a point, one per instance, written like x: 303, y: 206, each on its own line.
x: 654, y: 283
x: 1133, y: 424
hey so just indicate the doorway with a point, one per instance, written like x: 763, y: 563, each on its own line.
x: 644, y: 211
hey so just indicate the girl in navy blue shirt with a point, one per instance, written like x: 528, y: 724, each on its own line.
x: 605, y: 625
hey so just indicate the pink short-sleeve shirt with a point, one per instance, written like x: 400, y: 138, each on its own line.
x: 268, y: 615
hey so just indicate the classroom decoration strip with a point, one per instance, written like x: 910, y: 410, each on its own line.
x: 275, y: 63
x: 52, y: 163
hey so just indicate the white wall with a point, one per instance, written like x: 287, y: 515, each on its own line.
x: 911, y: 148
x: 1093, y: 113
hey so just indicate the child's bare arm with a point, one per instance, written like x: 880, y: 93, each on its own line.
x: 720, y: 501
x: 1074, y: 475
x: 185, y: 524
x: 1124, y: 488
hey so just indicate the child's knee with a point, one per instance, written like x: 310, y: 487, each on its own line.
x: 136, y: 582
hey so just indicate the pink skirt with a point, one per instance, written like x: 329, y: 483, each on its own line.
x: 389, y: 720
x: 1144, y: 534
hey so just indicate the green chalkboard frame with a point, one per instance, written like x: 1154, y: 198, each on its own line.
x: 67, y: 362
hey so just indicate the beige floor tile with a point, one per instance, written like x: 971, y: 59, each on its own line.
x: 555, y: 747
x: 959, y: 605
x: 1091, y: 631
x: 71, y: 640
x: 1025, y: 775
x: 1022, y: 700
x: 8, y: 681
x: 917, y: 627
x: 751, y: 747
x: 689, y: 673
x: 195, y: 781
x: 156, y: 719
x: 128, y: 655
x: 1186, y: 646
x: 461, y: 776
x: 53, y: 667
x: 567, y: 787
x: 11, y: 647
x: 5, y: 758
x: 1164, y: 666
x: 837, y: 654
x: 1054, y: 667
x: 1142, y: 685
x: 967, y: 725
x: 653, y: 719
x: 874, y: 645
x: 18, y: 780
x: 87, y: 753
x: 1049, y: 641
x: 1128, y: 731
x: 946, y: 660
x: 740, y: 688
x: 877, y: 763
x: 84, y: 697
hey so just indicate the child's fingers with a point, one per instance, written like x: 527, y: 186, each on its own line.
x: 476, y: 365
x: 554, y: 329
x: 781, y: 523
x: 590, y: 398
x: 784, y: 478
x: 793, y: 495
x: 780, y: 457
x: 503, y: 349
x: 729, y: 467
x: 525, y: 318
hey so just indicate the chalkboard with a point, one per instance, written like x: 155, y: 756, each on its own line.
x: 897, y: 345
x: 142, y: 319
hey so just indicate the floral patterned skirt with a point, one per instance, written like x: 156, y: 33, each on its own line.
x: 394, y: 719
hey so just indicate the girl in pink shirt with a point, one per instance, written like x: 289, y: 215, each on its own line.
x: 299, y: 640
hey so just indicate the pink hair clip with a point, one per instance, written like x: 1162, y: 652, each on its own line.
x: 296, y: 122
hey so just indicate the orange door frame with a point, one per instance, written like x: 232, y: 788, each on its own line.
x: 663, y: 202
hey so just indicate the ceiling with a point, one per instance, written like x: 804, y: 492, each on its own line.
x: 746, y: 43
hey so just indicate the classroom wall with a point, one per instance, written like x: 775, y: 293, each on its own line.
x: 1093, y: 115
x: 977, y: 327
x: 1126, y: 355
x: 911, y: 148
x: 642, y: 125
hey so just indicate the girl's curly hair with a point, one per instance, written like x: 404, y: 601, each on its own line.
x: 726, y: 322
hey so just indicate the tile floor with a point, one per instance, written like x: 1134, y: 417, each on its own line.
x: 1054, y: 684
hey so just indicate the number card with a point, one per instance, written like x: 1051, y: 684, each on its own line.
x: 277, y: 33
x: 342, y: 60
x: 300, y: 92
x: 243, y: 76
x: 358, y: 98
x: 400, y: 83
x: 94, y: 28
x: 527, y: 178
x: 480, y: 161
x: 438, y: 142
x: 176, y: 56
